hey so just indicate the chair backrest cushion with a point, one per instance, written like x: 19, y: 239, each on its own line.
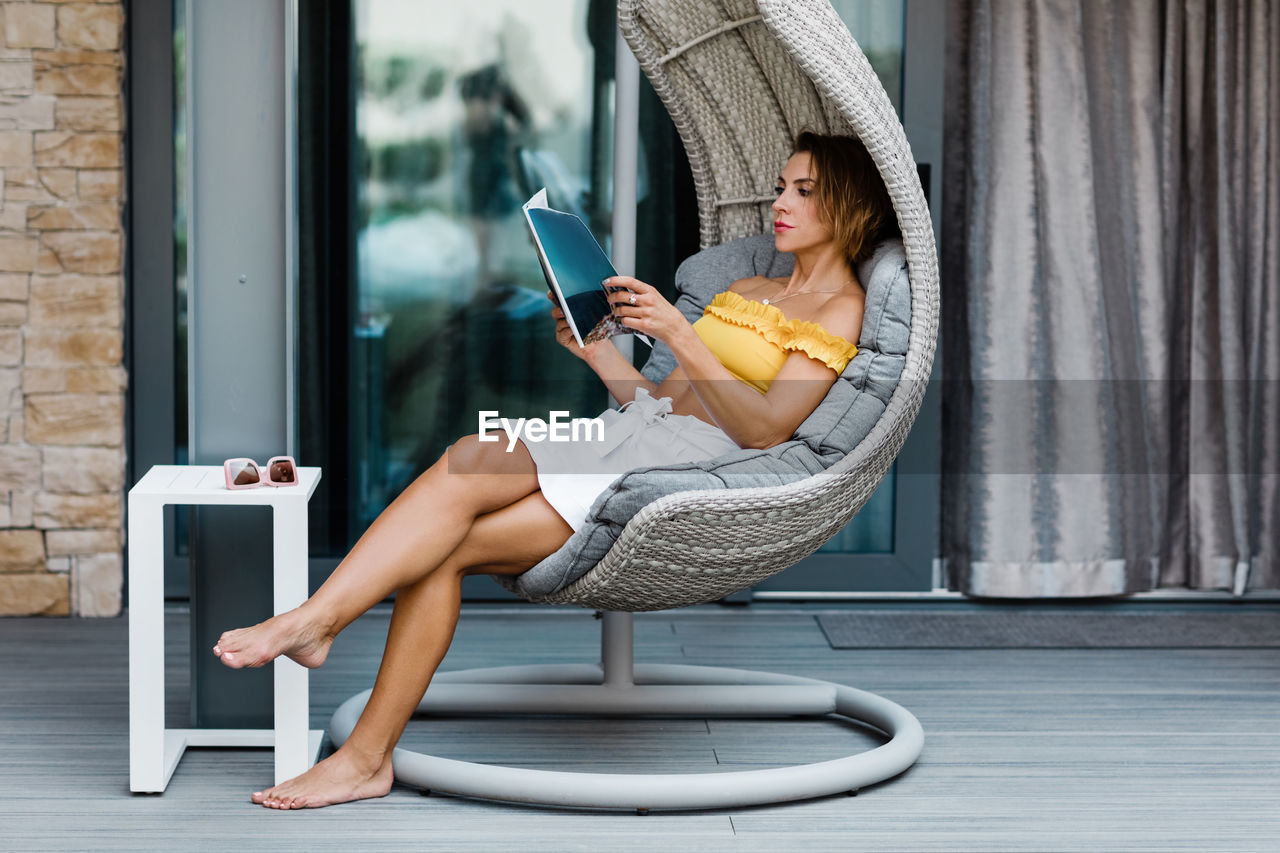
x: 844, y: 417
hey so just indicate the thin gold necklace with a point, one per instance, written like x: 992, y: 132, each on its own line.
x: 804, y: 293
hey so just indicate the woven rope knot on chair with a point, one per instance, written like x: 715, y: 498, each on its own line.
x: 738, y: 89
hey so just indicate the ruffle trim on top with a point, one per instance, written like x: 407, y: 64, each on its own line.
x: 797, y: 335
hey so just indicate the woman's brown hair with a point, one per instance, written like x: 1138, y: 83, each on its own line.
x: 852, y: 199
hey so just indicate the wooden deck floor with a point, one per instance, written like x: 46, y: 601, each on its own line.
x: 1026, y: 749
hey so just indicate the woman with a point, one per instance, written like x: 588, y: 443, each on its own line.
x: 748, y: 374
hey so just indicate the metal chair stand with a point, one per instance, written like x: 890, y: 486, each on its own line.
x: 618, y: 687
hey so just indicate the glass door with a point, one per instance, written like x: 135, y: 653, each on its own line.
x: 423, y: 127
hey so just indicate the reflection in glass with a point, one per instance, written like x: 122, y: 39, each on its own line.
x: 458, y: 122
x: 460, y: 113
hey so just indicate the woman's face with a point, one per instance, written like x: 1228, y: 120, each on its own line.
x: 796, y: 222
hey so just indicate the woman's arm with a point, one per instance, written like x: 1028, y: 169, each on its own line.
x: 748, y: 417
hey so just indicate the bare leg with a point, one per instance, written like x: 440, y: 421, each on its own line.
x: 505, y: 541
x: 412, y: 536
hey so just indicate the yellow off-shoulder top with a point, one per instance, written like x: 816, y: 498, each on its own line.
x: 753, y: 340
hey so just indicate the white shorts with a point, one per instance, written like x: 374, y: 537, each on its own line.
x: 643, y: 433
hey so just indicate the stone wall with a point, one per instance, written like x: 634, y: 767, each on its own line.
x: 62, y: 378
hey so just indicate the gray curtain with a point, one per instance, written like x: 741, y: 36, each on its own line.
x: 1111, y: 297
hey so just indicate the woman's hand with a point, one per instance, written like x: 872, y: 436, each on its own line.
x: 644, y: 309
x: 614, y: 369
x: 564, y: 335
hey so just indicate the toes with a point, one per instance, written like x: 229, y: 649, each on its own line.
x: 223, y: 648
x: 277, y: 798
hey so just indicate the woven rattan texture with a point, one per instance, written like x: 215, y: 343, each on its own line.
x: 737, y: 99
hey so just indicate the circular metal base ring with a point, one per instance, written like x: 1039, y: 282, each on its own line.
x: 644, y: 791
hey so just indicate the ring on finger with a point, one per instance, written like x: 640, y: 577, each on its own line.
x: 632, y: 300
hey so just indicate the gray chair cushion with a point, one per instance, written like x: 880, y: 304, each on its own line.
x: 849, y: 411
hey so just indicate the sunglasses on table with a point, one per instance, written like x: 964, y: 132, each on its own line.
x: 247, y: 474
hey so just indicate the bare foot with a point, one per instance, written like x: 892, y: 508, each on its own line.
x: 340, y: 778
x: 291, y: 634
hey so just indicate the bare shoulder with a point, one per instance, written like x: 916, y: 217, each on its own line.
x: 842, y: 313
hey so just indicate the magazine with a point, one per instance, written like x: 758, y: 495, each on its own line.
x: 575, y: 267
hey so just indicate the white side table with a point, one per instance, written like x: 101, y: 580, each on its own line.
x: 154, y: 751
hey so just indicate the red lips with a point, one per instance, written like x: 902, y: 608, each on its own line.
x: 779, y: 225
